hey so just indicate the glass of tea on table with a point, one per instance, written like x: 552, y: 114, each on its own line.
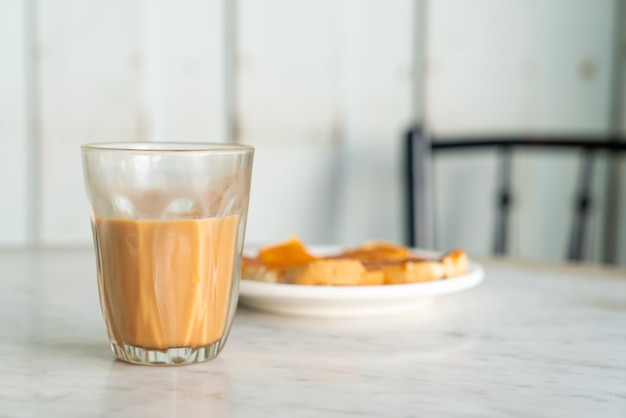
x: 168, y: 222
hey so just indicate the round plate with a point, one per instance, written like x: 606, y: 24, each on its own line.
x: 351, y: 301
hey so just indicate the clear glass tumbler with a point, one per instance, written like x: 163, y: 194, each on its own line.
x: 168, y: 222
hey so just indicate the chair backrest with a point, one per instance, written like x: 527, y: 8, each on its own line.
x: 421, y: 148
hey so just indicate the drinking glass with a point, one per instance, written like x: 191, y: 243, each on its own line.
x: 168, y: 223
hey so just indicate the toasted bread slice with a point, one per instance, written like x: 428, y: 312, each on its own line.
x: 375, y: 251
x: 413, y: 271
x: 286, y: 254
x: 337, y: 272
x: 456, y: 263
x: 372, y: 278
x: 255, y: 269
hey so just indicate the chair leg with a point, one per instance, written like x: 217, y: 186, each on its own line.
x: 500, y: 243
x: 612, y: 210
x: 583, y: 204
x: 419, y: 189
x: 409, y: 189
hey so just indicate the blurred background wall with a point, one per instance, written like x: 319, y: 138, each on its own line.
x: 324, y: 89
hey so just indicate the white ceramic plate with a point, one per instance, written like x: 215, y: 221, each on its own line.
x: 351, y: 301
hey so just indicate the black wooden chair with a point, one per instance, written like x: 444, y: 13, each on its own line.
x: 421, y: 148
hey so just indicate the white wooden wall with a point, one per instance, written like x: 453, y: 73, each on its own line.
x: 16, y: 168
x: 324, y: 93
x: 324, y: 90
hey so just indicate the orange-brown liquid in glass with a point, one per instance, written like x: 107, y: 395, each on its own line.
x: 166, y: 284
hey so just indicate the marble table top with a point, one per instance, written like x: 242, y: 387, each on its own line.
x: 531, y: 340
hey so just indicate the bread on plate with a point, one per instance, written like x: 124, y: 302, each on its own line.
x: 371, y: 263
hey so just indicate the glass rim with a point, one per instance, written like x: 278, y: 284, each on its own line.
x: 167, y: 147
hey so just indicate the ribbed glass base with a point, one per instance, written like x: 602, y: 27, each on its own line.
x: 166, y: 357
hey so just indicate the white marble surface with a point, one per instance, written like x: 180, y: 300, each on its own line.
x: 531, y: 340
